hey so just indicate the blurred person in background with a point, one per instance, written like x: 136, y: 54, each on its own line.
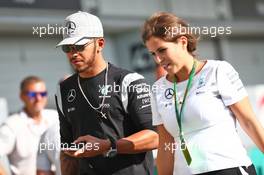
x: 197, y: 105
x: 20, y: 133
x: 49, y: 151
x: 115, y: 126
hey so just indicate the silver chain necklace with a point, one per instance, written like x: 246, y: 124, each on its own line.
x: 104, y: 95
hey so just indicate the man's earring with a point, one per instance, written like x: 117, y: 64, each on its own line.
x: 74, y: 55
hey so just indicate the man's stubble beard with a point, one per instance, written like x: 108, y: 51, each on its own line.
x: 88, y: 63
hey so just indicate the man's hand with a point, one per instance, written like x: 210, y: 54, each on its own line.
x: 69, y: 165
x: 93, y: 146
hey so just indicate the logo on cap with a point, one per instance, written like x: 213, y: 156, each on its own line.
x: 71, y: 26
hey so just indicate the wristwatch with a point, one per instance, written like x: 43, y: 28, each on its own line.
x: 112, y: 152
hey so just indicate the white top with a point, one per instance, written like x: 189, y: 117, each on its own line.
x: 208, y: 125
x: 19, y: 139
x: 49, y: 150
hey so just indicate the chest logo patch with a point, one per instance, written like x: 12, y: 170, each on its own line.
x: 201, y: 82
x: 169, y: 93
x: 71, y: 95
x: 105, y: 89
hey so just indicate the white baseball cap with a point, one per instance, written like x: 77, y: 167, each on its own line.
x: 80, y: 27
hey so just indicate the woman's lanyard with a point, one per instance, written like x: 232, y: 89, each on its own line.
x: 179, y: 112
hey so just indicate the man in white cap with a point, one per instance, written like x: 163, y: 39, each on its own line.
x: 103, y: 108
